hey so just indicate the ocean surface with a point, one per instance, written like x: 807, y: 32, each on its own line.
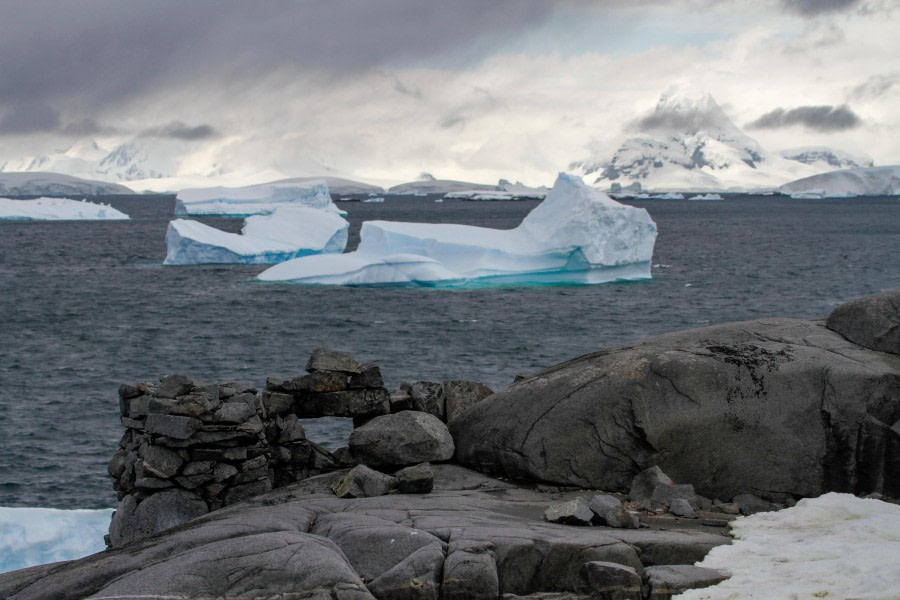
x: 85, y: 306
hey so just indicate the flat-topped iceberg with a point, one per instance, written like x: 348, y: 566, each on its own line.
x: 58, y: 209
x: 576, y: 235
x: 254, y: 199
x: 288, y: 232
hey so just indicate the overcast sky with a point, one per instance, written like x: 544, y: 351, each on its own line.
x: 467, y: 89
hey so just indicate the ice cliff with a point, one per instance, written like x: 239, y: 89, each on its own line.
x: 576, y: 235
x: 288, y: 232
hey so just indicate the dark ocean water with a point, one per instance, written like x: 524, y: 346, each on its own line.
x: 87, y: 306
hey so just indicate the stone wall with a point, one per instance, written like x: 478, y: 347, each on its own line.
x: 190, y: 448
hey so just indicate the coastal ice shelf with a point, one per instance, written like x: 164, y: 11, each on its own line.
x: 58, y: 209
x: 288, y: 232
x: 36, y: 536
x: 254, y: 199
x: 575, y: 235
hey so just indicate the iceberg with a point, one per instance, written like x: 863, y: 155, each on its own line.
x: 254, y: 199
x: 36, y: 536
x: 706, y: 197
x: 833, y: 546
x: 576, y: 235
x: 58, y: 209
x: 288, y: 232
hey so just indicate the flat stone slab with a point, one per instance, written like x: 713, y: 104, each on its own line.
x: 488, y: 533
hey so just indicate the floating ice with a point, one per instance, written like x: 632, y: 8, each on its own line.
x: 706, y: 197
x: 808, y: 195
x: 289, y: 232
x: 36, y: 536
x: 254, y: 200
x: 576, y: 235
x: 58, y: 209
x: 834, y: 546
x: 374, y: 200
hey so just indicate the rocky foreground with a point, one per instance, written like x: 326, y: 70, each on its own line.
x: 744, y: 417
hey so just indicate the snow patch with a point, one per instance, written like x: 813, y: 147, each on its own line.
x: 834, y: 546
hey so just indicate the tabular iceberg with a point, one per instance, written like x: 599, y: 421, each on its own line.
x: 576, y: 235
x: 35, y: 536
x: 254, y: 199
x: 286, y: 233
x: 58, y: 209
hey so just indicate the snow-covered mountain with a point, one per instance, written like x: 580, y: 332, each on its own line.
x: 132, y: 160
x: 689, y: 143
x: 55, y: 184
x: 438, y: 186
x: 826, y: 158
x: 873, y: 181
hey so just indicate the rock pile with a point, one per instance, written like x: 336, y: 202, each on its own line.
x: 188, y: 448
x: 191, y: 448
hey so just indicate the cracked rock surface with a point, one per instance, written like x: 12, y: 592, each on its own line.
x: 774, y: 407
x: 472, y: 537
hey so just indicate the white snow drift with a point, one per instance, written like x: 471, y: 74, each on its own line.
x: 254, y: 199
x: 834, y: 546
x: 576, y: 235
x: 36, y: 536
x: 288, y: 232
x: 58, y: 209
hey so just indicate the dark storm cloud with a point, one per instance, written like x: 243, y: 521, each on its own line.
x: 180, y: 131
x: 106, y: 51
x: 819, y: 118
x: 29, y: 118
x: 813, y: 8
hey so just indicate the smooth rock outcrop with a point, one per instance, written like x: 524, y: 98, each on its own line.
x: 473, y: 537
x: 775, y: 407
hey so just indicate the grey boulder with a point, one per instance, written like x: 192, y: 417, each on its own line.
x: 405, y: 438
x: 363, y: 482
x: 135, y: 520
x: 872, y: 322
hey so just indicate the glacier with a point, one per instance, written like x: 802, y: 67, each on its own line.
x: 58, y: 209
x: 36, y: 536
x: 846, y: 183
x: 287, y: 232
x: 576, y: 235
x: 833, y: 546
x: 254, y: 199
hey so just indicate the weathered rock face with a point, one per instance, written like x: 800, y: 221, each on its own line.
x: 872, y: 322
x: 472, y: 538
x: 773, y: 407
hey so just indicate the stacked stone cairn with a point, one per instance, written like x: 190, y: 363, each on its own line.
x: 190, y: 448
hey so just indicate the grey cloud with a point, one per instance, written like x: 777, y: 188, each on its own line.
x: 670, y: 121
x: 813, y: 8
x: 29, y: 118
x: 452, y: 121
x: 875, y: 86
x: 180, y: 131
x: 819, y: 118
x: 106, y: 51
x: 88, y: 127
